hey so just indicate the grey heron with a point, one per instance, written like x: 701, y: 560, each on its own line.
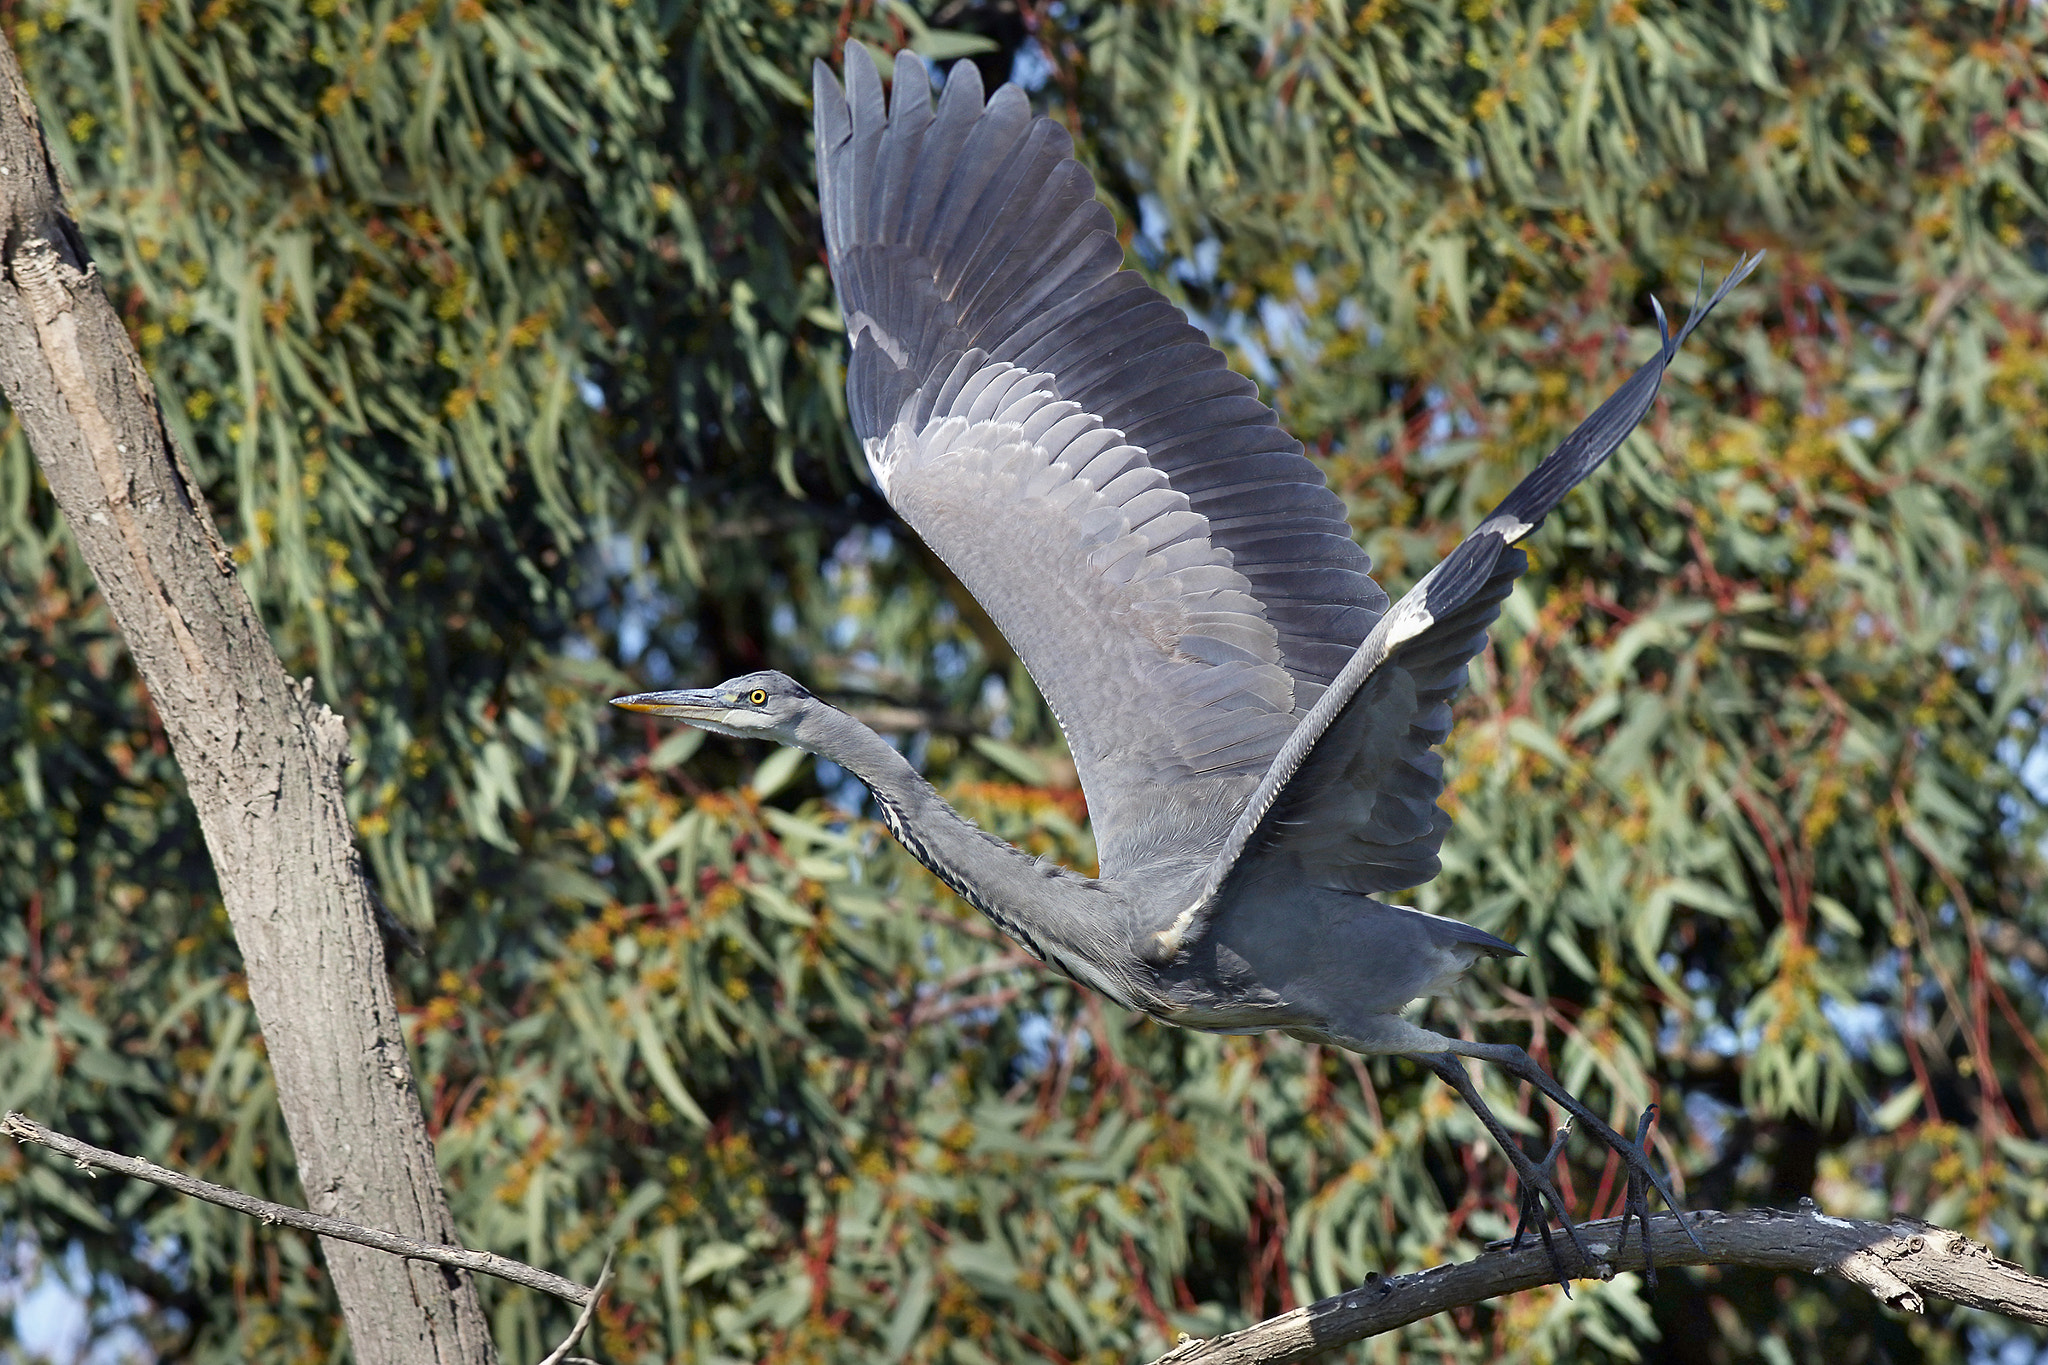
x: 1253, y: 723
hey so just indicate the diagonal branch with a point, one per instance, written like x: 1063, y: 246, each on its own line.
x: 560, y: 1355
x: 25, y: 1129
x: 1903, y: 1263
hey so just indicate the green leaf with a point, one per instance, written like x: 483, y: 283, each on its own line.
x: 1897, y: 1109
x: 1011, y: 759
x: 676, y: 747
x: 945, y: 45
x: 712, y: 1259
x: 654, y: 1052
x: 913, y: 1302
x: 776, y: 770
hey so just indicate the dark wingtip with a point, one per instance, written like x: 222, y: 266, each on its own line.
x: 1744, y: 268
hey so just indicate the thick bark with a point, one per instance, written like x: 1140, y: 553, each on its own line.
x: 1902, y: 1263
x: 261, y: 760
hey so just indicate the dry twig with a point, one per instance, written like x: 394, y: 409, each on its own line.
x: 560, y: 1355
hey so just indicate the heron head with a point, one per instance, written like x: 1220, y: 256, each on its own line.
x: 764, y: 705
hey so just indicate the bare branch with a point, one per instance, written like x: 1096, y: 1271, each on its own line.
x: 25, y: 1129
x: 560, y: 1355
x: 1903, y: 1263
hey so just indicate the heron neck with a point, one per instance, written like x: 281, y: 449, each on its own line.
x: 1057, y: 915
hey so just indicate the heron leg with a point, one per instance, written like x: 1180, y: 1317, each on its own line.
x: 1642, y: 1176
x: 1535, y: 1180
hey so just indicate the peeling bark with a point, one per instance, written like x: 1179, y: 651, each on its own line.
x: 261, y: 759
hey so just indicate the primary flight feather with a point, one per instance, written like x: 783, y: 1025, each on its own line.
x: 1254, y: 726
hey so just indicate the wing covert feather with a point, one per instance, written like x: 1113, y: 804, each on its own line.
x: 1156, y: 659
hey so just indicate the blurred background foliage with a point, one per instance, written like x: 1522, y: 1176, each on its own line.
x: 499, y: 334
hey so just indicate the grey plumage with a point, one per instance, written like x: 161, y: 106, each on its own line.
x: 1254, y: 727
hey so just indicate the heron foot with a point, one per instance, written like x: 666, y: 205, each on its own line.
x: 1643, y: 1177
x: 1537, y: 1188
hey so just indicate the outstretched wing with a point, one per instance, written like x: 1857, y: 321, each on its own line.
x: 1351, y: 799
x: 1166, y: 562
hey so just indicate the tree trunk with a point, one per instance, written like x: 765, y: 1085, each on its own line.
x: 261, y: 760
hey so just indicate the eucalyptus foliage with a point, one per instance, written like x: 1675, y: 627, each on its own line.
x: 499, y: 334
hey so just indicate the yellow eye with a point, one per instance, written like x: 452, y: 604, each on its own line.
x: 758, y: 697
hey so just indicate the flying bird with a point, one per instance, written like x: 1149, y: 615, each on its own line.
x: 1254, y: 724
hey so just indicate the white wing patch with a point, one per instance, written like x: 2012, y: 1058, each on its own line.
x: 1408, y: 619
x: 876, y: 448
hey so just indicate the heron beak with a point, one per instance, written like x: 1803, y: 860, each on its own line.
x: 689, y: 705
